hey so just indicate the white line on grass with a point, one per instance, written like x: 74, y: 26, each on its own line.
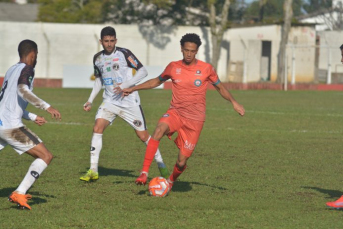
x: 284, y: 131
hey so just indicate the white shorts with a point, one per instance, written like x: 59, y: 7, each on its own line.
x: 21, y: 139
x: 134, y: 116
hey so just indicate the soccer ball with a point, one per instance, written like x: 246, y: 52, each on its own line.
x: 159, y: 186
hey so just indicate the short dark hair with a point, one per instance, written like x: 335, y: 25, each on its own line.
x: 341, y: 47
x: 107, y: 31
x: 25, y: 47
x: 191, y: 37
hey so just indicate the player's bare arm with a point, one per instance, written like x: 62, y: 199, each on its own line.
x: 155, y: 82
x: 227, y: 95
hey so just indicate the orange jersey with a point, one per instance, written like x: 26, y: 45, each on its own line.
x: 189, y: 84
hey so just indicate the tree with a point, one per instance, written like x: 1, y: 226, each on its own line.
x: 217, y: 31
x: 288, y: 14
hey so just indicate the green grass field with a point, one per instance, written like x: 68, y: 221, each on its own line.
x: 274, y: 168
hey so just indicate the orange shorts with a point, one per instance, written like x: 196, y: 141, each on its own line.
x: 188, y: 131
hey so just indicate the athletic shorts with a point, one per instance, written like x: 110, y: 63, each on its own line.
x: 134, y: 116
x: 20, y: 139
x: 188, y: 131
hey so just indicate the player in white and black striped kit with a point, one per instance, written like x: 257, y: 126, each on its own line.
x: 15, y: 95
x: 113, y: 70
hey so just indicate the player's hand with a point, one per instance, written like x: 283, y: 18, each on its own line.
x: 54, y: 113
x: 126, y: 91
x: 40, y: 120
x: 239, y: 108
x: 87, y: 106
x: 117, y: 90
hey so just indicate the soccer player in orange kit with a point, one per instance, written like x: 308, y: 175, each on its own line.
x: 186, y: 114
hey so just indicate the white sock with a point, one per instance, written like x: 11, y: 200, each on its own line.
x: 96, y: 146
x: 158, y: 156
x: 36, y: 168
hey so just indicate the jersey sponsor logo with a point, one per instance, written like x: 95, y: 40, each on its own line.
x: 118, y: 80
x: 197, y: 83
x: 35, y: 174
x: 108, y: 81
x: 178, y: 71
x: 133, y: 61
x: 189, y: 146
x: 115, y: 66
x: 30, y: 79
x: 137, y: 123
x: 198, y: 72
x: 165, y: 115
x: 177, y: 81
x: 115, y: 59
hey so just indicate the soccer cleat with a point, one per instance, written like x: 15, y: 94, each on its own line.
x: 336, y: 204
x: 90, y: 176
x: 20, y: 200
x: 171, y: 183
x: 164, y: 172
x: 142, y: 179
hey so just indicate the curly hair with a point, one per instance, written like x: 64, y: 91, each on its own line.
x: 25, y: 47
x: 191, y: 37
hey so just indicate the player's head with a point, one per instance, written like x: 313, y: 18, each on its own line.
x: 190, y: 44
x: 341, y: 48
x: 108, y: 39
x: 28, y: 51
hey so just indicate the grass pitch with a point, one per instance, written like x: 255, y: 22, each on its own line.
x: 274, y: 168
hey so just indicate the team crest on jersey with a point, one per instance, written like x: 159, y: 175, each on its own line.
x: 115, y: 66
x: 178, y: 71
x: 133, y: 61
x: 137, y: 123
x: 197, y: 83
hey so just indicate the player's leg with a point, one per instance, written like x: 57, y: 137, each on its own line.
x: 24, y: 140
x: 179, y: 167
x: 145, y: 137
x: 95, y: 149
x: 161, y: 130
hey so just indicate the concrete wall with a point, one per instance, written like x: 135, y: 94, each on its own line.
x: 65, y: 45
x: 251, y: 37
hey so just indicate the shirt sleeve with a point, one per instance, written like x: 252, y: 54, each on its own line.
x: 213, y: 77
x: 166, y: 74
x: 26, y: 76
x: 132, y: 60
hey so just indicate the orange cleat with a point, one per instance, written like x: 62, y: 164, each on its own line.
x: 142, y: 179
x: 20, y: 199
x: 336, y: 204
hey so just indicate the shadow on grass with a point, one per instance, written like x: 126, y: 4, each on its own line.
x: 113, y: 172
x: 332, y: 194
x: 183, y: 186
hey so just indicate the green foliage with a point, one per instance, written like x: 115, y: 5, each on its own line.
x: 69, y: 11
x: 274, y: 168
x: 273, y: 10
x: 317, y: 5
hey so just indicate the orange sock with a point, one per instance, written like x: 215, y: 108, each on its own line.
x: 150, y: 153
x: 176, y: 173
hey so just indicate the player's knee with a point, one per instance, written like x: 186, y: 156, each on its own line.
x: 158, y: 133
x: 47, y: 157
x: 98, y: 130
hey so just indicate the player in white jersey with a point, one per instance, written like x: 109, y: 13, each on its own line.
x: 113, y: 69
x: 15, y: 95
